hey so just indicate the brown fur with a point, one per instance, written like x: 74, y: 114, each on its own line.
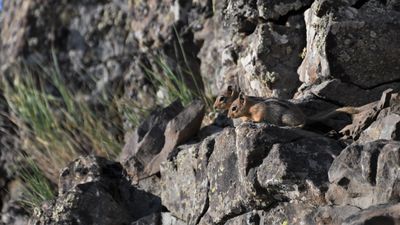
x: 278, y: 111
x: 225, y: 99
x: 274, y: 111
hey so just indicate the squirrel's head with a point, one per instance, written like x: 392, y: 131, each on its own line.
x: 238, y: 107
x: 225, y: 99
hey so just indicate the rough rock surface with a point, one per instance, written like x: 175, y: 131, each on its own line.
x: 156, y: 138
x: 383, y: 214
x: 325, y: 53
x: 364, y: 175
x: 353, y: 41
x: 230, y: 174
x: 94, y: 190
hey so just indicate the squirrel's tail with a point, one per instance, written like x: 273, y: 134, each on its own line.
x: 326, y: 115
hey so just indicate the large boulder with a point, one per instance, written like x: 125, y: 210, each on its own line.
x: 251, y: 167
x: 157, y: 137
x: 364, y: 175
x: 354, y: 42
x: 386, y: 214
x: 94, y: 190
x: 254, y: 44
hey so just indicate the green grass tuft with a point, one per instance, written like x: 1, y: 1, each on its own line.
x: 55, y: 126
x: 37, y: 188
x: 175, y: 81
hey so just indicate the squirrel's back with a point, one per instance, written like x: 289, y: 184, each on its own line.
x: 279, y: 112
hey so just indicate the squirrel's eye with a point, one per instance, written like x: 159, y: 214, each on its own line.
x: 222, y: 99
x: 234, y: 108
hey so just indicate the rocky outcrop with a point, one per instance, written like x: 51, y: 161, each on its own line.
x: 230, y: 175
x: 354, y: 42
x: 365, y: 175
x: 382, y: 214
x: 94, y: 190
x: 157, y: 137
x: 324, y: 53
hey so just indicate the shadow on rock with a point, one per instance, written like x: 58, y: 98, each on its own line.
x: 94, y: 190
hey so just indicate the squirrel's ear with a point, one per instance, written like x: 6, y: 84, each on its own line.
x: 242, y: 98
x: 229, y: 89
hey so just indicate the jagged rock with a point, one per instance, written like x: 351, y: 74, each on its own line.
x: 185, y: 183
x: 334, y: 215
x: 147, y: 140
x: 365, y: 174
x: 168, y: 219
x: 156, y: 138
x: 178, y: 130
x: 376, y: 120
x: 256, y: 48
x: 249, y: 167
x: 87, y: 38
x: 354, y: 96
x: 344, y: 39
x: 215, y: 40
x: 243, y: 16
x: 387, y: 123
x: 270, y: 57
x: 387, y: 214
x: 94, y: 190
x: 165, y: 33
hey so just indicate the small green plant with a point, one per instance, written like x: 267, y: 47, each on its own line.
x: 174, y: 84
x: 175, y: 81
x: 55, y: 127
x: 37, y: 188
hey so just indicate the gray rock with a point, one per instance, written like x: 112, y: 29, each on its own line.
x: 185, y: 184
x: 283, y: 162
x: 156, y: 138
x: 343, y: 42
x: 364, y: 175
x: 387, y: 123
x: 354, y: 96
x: 334, y: 46
x: 250, y: 167
x: 178, y: 130
x: 147, y: 140
x: 169, y: 219
x: 86, y: 36
x: 94, y: 190
x: 387, y: 214
x: 270, y: 58
x: 376, y: 120
x: 334, y: 215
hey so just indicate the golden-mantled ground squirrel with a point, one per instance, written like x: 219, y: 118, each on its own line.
x: 277, y: 111
x: 225, y: 99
